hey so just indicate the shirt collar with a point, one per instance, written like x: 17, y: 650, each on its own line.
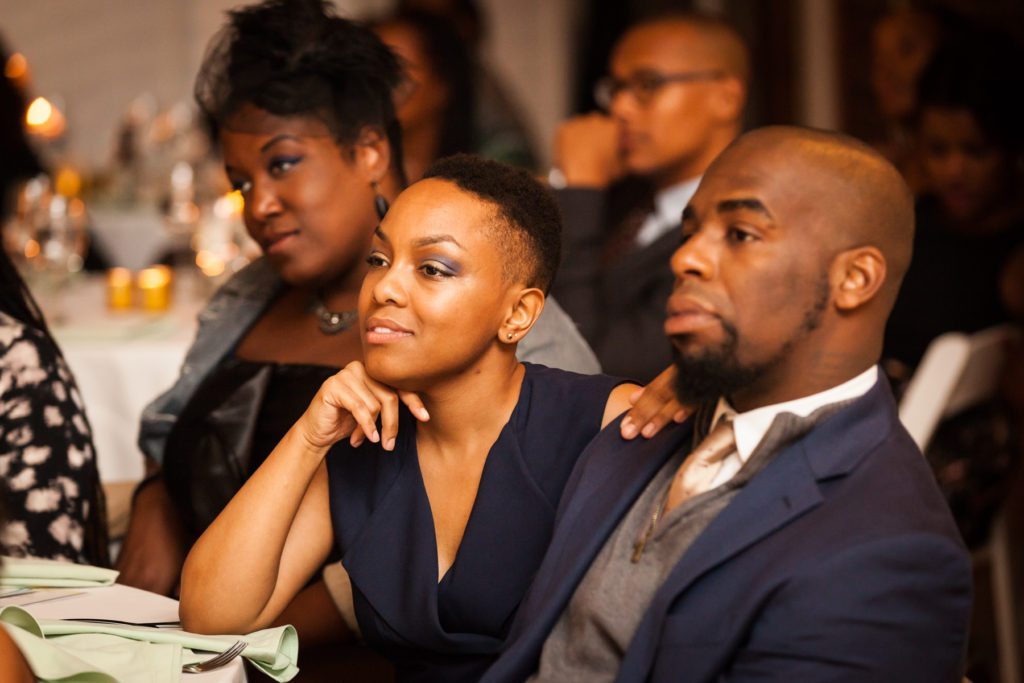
x: 670, y: 202
x: 751, y: 426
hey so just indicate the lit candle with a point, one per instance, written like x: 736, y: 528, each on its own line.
x: 44, y: 119
x: 119, y: 289
x: 155, y: 286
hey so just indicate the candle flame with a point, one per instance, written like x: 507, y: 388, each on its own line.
x: 39, y: 112
x: 16, y: 67
x: 44, y: 119
x: 68, y: 182
x: 156, y: 276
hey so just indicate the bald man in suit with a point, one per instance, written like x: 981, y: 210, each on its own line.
x: 791, y: 529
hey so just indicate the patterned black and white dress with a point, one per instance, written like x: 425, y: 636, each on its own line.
x: 47, y: 462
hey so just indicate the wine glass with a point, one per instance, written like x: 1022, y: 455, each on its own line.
x: 52, y: 239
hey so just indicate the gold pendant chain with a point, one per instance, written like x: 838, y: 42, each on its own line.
x: 638, y: 547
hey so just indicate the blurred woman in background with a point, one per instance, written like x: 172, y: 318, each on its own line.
x: 903, y: 41
x: 451, y: 102
x: 436, y: 101
x: 970, y: 220
x: 969, y: 234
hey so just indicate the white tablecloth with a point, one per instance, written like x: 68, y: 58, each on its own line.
x: 129, y: 604
x: 122, y: 361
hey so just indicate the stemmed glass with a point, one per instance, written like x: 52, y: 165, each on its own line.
x: 48, y: 237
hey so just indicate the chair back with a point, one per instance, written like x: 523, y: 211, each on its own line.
x: 958, y: 371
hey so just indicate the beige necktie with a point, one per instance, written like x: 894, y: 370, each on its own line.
x: 702, y: 465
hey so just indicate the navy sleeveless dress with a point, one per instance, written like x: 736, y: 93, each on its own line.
x: 453, y: 630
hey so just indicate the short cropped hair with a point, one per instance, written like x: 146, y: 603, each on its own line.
x: 529, y: 223
x: 726, y: 40
x: 298, y: 58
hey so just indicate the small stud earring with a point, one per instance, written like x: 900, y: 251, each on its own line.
x: 509, y: 336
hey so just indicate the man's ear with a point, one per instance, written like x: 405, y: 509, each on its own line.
x: 371, y: 154
x: 857, y: 276
x: 729, y: 98
x: 523, y: 311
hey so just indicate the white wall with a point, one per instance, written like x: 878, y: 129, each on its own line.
x: 98, y: 55
x: 818, y: 61
x: 531, y: 52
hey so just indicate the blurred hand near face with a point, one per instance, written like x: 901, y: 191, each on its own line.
x: 348, y: 405
x: 587, y: 151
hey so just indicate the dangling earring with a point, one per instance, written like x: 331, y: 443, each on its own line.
x: 379, y: 202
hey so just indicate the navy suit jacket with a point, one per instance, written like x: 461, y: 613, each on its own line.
x: 839, y: 561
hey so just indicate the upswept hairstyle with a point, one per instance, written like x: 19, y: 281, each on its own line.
x: 298, y: 58
x: 528, y: 224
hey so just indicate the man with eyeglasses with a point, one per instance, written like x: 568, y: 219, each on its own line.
x: 673, y: 100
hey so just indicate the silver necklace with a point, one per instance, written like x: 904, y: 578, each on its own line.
x: 330, y: 322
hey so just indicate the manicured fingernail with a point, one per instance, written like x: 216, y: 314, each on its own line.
x: 628, y: 428
x: 423, y: 414
x: 648, y: 431
x: 358, y: 442
x: 375, y: 437
x: 389, y: 445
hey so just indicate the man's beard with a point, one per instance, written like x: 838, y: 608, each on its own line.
x: 713, y: 372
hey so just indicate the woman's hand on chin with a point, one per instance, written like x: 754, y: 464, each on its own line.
x: 348, y: 405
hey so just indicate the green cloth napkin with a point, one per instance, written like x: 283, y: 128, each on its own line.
x: 30, y: 572
x: 97, y: 653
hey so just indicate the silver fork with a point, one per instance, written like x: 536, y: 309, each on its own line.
x: 217, y: 661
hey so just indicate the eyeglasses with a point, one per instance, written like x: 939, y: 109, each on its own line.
x: 644, y: 85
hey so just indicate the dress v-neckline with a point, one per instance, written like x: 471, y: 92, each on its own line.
x: 473, y: 511
x: 449, y: 628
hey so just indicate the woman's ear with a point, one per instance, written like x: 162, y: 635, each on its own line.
x: 372, y: 154
x: 524, y: 311
x: 859, y: 275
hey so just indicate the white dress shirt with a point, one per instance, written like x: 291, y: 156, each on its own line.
x: 668, y: 211
x: 751, y: 426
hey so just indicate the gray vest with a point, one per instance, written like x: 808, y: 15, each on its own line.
x: 592, y: 635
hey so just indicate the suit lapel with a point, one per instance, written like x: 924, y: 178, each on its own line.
x: 615, y: 474
x: 785, y: 489
x: 782, y: 492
